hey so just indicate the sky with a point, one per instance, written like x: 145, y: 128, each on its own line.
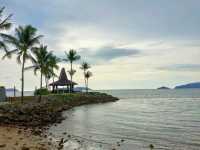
x: 130, y: 44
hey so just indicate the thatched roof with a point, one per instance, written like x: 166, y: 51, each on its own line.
x: 63, y: 80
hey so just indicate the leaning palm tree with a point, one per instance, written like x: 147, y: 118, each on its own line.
x: 71, y: 56
x: 24, y: 39
x: 85, y: 66
x: 4, y: 25
x: 88, y: 74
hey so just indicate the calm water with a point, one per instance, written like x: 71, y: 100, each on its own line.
x: 169, y: 119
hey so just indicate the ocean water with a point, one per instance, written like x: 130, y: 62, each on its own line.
x: 18, y: 93
x: 168, y: 119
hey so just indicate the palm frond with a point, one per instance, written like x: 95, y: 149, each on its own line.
x: 5, y: 24
x: 30, y: 67
x: 3, y: 46
x: 10, y: 39
x: 35, y: 40
x: 9, y: 53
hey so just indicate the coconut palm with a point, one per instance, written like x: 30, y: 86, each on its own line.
x: 24, y: 39
x: 88, y: 74
x: 71, y: 57
x: 51, y: 65
x: 40, y: 61
x: 4, y: 25
x: 72, y: 72
x: 151, y: 146
x: 44, y: 61
x: 85, y: 66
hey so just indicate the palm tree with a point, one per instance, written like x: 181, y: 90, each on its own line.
x: 51, y: 65
x: 71, y: 56
x: 40, y: 61
x: 88, y: 74
x: 4, y: 25
x: 85, y: 66
x: 24, y: 40
x: 72, y: 72
x: 151, y: 146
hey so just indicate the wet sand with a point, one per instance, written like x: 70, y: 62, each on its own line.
x: 13, y: 138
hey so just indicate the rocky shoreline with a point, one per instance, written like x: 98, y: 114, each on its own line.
x: 34, y: 113
x: 37, y: 116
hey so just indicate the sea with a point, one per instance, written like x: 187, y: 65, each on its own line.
x: 167, y: 119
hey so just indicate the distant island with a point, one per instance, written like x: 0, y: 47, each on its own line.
x: 11, y: 90
x: 80, y: 89
x: 195, y: 85
x: 163, y: 88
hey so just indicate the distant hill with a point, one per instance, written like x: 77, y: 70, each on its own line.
x: 195, y: 85
x: 163, y: 88
x: 80, y: 89
x: 11, y: 90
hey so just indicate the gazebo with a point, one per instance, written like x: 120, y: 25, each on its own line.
x: 62, y: 81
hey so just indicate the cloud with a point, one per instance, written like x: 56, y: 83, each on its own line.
x: 107, y: 53
x: 181, y: 67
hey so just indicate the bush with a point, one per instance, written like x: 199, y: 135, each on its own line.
x: 42, y: 91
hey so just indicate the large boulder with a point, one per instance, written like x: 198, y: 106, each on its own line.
x: 2, y: 93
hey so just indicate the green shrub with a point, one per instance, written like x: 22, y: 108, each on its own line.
x: 42, y: 91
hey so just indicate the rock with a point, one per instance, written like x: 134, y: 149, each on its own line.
x: 25, y: 148
x: 2, y: 145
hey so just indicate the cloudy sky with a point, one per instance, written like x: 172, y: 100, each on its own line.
x: 129, y: 43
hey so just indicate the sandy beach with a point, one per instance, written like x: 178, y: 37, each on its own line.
x: 13, y: 138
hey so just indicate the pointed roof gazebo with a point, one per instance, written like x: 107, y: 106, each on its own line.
x: 62, y: 81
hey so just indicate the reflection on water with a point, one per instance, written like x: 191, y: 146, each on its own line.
x: 169, y: 119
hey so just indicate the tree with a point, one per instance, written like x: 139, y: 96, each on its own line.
x: 88, y: 74
x: 51, y: 65
x: 39, y: 62
x: 24, y: 40
x: 72, y: 72
x: 4, y: 25
x: 71, y: 57
x: 151, y: 146
x: 45, y: 62
x: 85, y: 66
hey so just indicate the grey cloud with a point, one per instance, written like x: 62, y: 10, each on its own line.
x: 181, y: 67
x: 109, y: 53
x: 132, y: 18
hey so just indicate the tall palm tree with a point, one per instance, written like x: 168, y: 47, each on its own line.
x: 42, y: 56
x: 51, y: 65
x: 4, y: 25
x: 85, y: 66
x: 71, y: 57
x: 88, y: 74
x: 72, y: 72
x: 24, y: 39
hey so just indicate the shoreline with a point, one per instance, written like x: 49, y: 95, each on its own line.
x: 34, y: 118
x: 20, y: 138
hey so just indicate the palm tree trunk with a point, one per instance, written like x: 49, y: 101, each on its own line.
x: 46, y: 80
x: 22, y: 88
x: 85, y: 81
x: 40, y: 98
x: 71, y: 86
x: 40, y: 79
x: 87, y: 86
